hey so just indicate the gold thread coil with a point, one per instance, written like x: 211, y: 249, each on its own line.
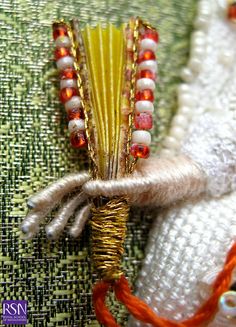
x: 108, y: 226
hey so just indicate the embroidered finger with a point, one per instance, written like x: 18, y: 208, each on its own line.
x: 57, y: 225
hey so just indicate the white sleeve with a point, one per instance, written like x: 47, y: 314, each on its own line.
x: 211, y: 143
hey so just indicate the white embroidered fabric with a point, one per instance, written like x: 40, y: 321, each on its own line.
x: 189, y: 241
x: 211, y: 143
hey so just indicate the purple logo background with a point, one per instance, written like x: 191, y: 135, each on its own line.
x: 14, y: 312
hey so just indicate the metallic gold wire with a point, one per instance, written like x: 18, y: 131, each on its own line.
x: 130, y: 165
x: 79, y: 55
x: 108, y: 225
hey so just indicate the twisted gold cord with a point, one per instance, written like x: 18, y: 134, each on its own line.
x: 130, y: 165
x: 108, y: 234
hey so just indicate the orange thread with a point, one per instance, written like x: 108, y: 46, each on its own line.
x: 102, y: 312
x: 142, y: 312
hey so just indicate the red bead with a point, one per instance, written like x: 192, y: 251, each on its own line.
x: 140, y: 151
x: 75, y: 114
x: 78, y: 140
x: 232, y: 12
x: 59, y: 30
x: 146, y: 55
x: 147, y: 74
x: 61, y: 52
x: 68, y: 73
x: 143, y: 121
x: 144, y: 95
x: 67, y: 93
x: 150, y: 34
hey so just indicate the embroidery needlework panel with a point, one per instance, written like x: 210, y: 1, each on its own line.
x: 55, y: 277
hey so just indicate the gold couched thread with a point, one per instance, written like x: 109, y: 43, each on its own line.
x: 79, y: 55
x: 136, y: 24
x: 108, y: 234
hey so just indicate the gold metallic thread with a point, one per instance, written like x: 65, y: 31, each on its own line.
x: 108, y: 234
x: 131, y: 164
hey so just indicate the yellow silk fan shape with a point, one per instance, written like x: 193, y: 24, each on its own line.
x: 105, y: 62
x: 103, y: 57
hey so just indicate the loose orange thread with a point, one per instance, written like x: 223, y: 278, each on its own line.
x: 141, y: 311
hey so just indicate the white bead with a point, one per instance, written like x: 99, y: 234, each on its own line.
x: 177, y: 132
x: 148, y: 44
x: 187, y: 74
x: 167, y: 153
x: 63, y: 41
x: 186, y: 100
x: 76, y: 125
x: 182, y: 92
x: 198, y: 42
x: 171, y: 143
x: 144, y: 106
x: 227, y: 304
x: 73, y: 103
x: 202, y: 21
x: 141, y: 137
x: 198, y: 51
x: 183, y: 88
x: 180, y: 120
x: 148, y: 64
x: 226, y: 57
x: 65, y: 62
x: 204, y: 9
x: 198, y: 39
x: 195, y: 64
x: 185, y: 111
x: 68, y: 83
x: 145, y: 83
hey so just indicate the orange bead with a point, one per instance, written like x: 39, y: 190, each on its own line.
x: 144, y: 95
x: 232, y: 12
x: 59, y: 30
x: 145, y: 73
x: 75, y: 114
x: 68, y: 73
x: 78, y: 140
x: 146, y: 55
x: 140, y: 151
x: 61, y: 52
x: 67, y: 93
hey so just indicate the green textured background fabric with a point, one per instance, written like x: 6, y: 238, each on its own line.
x: 56, y: 277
